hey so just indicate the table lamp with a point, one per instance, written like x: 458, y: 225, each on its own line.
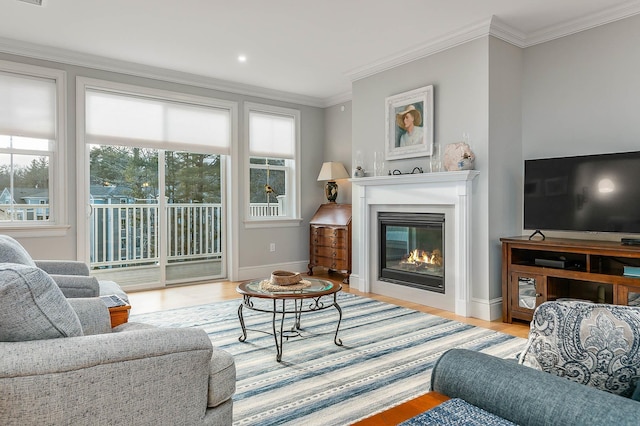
x: 331, y: 171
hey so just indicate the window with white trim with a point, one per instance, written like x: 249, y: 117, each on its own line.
x: 31, y: 146
x: 273, y: 177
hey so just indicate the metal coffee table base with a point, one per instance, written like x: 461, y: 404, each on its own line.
x: 315, y: 304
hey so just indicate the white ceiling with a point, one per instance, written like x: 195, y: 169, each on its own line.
x: 313, y: 49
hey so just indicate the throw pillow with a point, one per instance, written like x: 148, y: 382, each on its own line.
x: 12, y: 251
x: 593, y: 344
x: 33, y: 307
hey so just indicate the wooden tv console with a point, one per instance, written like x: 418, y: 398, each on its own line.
x: 534, y: 271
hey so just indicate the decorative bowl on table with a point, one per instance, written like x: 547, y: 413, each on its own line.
x: 285, y: 278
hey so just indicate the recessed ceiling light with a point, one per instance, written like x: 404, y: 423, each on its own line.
x: 36, y: 2
x: 242, y: 58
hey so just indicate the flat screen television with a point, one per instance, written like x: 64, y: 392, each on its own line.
x: 597, y: 193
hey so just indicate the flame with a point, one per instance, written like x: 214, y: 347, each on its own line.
x: 418, y: 256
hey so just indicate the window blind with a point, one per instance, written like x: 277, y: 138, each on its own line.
x: 131, y: 120
x: 27, y: 106
x: 271, y: 135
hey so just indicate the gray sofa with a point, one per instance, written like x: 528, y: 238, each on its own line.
x: 580, y: 366
x: 62, y: 364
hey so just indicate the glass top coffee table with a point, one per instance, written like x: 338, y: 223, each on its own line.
x: 319, y: 295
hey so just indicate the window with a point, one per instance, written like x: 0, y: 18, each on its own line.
x: 273, y: 177
x: 155, y: 167
x: 31, y: 147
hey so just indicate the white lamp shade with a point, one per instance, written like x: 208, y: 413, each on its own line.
x: 332, y: 170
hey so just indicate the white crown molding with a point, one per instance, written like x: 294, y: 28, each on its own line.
x: 501, y: 30
x: 445, y: 42
x: 616, y: 13
x: 337, y: 99
x: 495, y: 27
x: 69, y: 57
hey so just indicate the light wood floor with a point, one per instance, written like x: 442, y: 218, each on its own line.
x: 198, y: 294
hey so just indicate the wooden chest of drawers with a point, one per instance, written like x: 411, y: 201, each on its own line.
x: 330, y: 239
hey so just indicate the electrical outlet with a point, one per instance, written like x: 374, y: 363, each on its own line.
x: 272, y: 247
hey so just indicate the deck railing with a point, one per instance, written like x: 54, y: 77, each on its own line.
x: 128, y: 234
x: 24, y: 212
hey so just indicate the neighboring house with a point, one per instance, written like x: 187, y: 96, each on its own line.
x: 112, y: 194
x: 12, y: 209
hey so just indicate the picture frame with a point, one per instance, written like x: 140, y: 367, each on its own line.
x: 413, y: 137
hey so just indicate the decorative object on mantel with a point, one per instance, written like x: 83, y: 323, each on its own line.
x: 331, y: 171
x: 359, y: 166
x: 378, y: 163
x: 397, y: 172
x: 435, y: 162
x: 409, y: 124
x: 458, y: 156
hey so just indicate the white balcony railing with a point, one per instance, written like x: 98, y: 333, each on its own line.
x: 24, y: 212
x: 127, y: 234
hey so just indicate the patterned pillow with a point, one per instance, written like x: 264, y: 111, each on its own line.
x: 593, y: 344
x: 33, y: 307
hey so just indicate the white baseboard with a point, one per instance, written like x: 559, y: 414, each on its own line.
x: 488, y: 310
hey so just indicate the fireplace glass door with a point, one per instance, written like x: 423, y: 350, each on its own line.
x: 412, y: 249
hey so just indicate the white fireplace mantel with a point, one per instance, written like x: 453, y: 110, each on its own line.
x: 420, y: 189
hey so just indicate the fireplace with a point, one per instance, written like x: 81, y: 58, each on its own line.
x: 448, y: 193
x: 412, y: 249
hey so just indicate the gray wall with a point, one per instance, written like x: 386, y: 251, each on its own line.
x: 504, y: 158
x: 291, y: 242
x: 337, y: 146
x: 459, y: 76
x: 581, y: 95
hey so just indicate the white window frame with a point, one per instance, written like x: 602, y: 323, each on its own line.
x: 58, y: 225
x: 228, y: 168
x: 293, y: 171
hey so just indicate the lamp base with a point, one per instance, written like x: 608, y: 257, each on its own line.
x: 331, y: 191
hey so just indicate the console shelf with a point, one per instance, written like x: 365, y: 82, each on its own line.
x: 585, y: 269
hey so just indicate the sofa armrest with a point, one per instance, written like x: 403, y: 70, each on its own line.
x: 93, y: 314
x: 77, y: 285
x: 526, y: 396
x: 136, y: 377
x: 63, y: 267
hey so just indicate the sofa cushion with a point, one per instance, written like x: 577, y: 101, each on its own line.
x: 593, y: 344
x: 12, y: 251
x: 33, y: 307
x: 222, y: 377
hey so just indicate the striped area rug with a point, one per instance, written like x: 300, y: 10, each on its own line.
x: 386, y: 358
